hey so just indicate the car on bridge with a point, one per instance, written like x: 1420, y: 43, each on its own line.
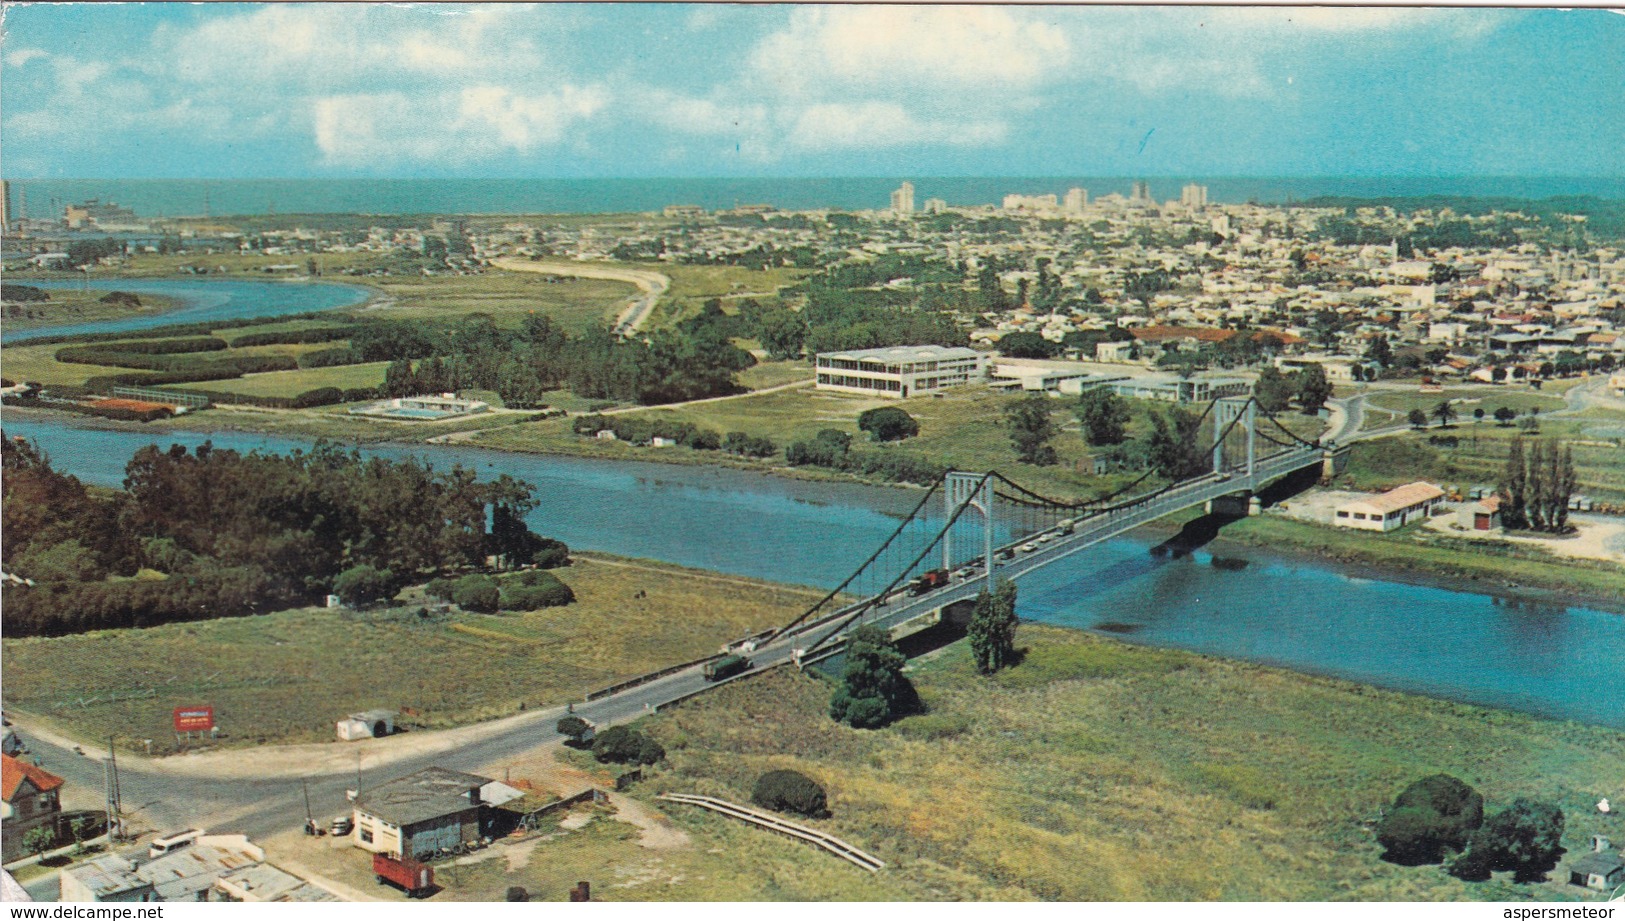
x: 1028, y: 547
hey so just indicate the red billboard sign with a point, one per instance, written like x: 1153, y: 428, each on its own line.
x: 194, y: 719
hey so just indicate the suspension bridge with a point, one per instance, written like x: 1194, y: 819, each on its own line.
x: 972, y: 529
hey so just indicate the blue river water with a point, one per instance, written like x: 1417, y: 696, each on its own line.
x: 1563, y: 662
x: 204, y: 300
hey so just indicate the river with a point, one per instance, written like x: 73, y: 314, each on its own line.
x: 204, y: 300
x: 1563, y: 662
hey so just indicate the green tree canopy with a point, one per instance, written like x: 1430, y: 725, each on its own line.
x: 873, y: 689
x: 1104, y: 416
x: 993, y: 628
x: 888, y: 423
x: 1031, y: 430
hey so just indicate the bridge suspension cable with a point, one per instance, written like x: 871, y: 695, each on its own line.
x: 835, y: 592
x: 1289, y: 433
x: 869, y: 603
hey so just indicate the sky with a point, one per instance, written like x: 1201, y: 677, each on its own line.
x: 223, y: 90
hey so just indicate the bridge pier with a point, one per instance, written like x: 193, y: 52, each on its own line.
x: 1333, y: 462
x: 1235, y: 505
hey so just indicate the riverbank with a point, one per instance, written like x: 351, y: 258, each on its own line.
x: 1098, y: 770
x: 67, y: 306
x: 286, y: 677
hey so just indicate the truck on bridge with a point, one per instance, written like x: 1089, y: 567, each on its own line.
x: 936, y: 578
x: 725, y: 667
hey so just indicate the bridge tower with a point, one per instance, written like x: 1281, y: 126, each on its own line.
x: 1227, y: 410
x: 976, y: 491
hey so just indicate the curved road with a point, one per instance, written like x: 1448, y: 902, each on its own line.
x: 653, y: 285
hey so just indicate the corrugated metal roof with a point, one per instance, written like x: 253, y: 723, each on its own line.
x: 1402, y: 497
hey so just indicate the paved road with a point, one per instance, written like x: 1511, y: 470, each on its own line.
x: 652, y: 284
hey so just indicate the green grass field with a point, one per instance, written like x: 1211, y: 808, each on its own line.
x: 292, y: 383
x: 285, y: 677
x: 693, y: 285
x: 69, y: 306
x: 509, y: 297
x: 1464, y: 400
x: 1097, y: 770
x: 1479, y: 457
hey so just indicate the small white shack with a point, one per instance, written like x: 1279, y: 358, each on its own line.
x: 369, y: 724
x: 1393, y: 509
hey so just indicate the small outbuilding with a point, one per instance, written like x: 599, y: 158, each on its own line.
x: 1598, y: 870
x: 1484, y: 515
x: 418, y: 815
x: 1393, y: 509
x: 368, y: 724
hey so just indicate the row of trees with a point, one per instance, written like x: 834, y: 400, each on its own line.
x: 1536, y: 486
x: 1440, y: 815
x: 1275, y: 391
x: 241, y: 533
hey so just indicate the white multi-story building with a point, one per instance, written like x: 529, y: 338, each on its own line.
x: 1193, y: 196
x: 1030, y: 202
x: 899, y: 372
x: 1076, y: 200
x: 902, y: 200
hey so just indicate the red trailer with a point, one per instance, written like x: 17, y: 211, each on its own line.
x: 414, y: 877
x: 936, y: 578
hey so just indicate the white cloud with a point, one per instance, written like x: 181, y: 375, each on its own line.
x: 964, y: 47
x: 22, y: 56
x: 475, y: 123
x: 838, y: 126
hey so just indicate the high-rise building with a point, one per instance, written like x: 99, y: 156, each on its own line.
x: 1193, y: 196
x: 902, y: 200
x: 935, y: 206
x: 5, y: 205
x: 1076, y: 200
x: 1141, y: 194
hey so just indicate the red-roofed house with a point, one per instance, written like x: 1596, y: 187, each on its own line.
x: 1393, y: 509
x: 30, y: 795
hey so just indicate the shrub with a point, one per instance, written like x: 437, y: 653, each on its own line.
x: 574, y: 729
x: 364, y: 584
x: 441, y: 588
x: 479, y: 594
x: 790, y: 791
x: 1432, y: 814
x: 518, y: 894
x: 327, y: 358
x: 1526, y: 838
x: 623, y: 745
x: 532, y: 596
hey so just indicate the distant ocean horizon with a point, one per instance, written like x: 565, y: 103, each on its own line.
x: 169, y: 198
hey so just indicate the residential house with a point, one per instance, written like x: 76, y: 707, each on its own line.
x: 31, y: 800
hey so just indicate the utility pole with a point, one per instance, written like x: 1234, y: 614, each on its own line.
x: 310, y: 820
x: 115, y: 831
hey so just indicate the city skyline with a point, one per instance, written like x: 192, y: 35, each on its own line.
x: 330, y: 91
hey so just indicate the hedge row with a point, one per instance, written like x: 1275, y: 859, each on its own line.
x: 328, y: 358
x: 295, y: 336
x: 321, y: 396
x: 223, y: 370
x: 136, y: 354
x: 177, y: 329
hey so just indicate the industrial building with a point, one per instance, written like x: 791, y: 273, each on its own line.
x: 420, y: 814
x: 1393, y: 509
x: 1171, y: 388
x: 899, y: 372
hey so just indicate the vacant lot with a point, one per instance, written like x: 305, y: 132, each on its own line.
x: 292, y: 383
x: 1100, y: 770
x: 1479, y: 456
x: 509, y: 297
x: 287, y: 676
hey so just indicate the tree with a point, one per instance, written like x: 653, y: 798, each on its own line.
x: 784, y: 334
x: 1031, y: 429
x: 1173, y: 448
x: 1028, y: 345
x: 1104, y: 415
x: 1429, y: 816
x: 39, y: 839
x: 364, y: 584
x: 1537, y: 490
x: 1445, y: 413
x: 1274, y: 390
x: 1313, y: 389
x: 1417, y: 418
x: 1564, y: 481
x: 791, y: 791
x: 575, y: 730
x: 1380, y: 351
x: 993, y: 628
x: 1505, y: 415
x: 888, y: 423
x: 1514, y: 485
x: 1526, y: 838
x: 873, y: 690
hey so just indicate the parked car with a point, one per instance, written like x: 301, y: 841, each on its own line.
x: 342, y: 825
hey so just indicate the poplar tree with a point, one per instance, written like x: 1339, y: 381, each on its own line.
x: 1564, y: 481
x: 1513, y: 486
x: 1537, y: 489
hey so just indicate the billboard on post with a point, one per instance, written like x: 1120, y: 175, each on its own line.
x: 194, y: 719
